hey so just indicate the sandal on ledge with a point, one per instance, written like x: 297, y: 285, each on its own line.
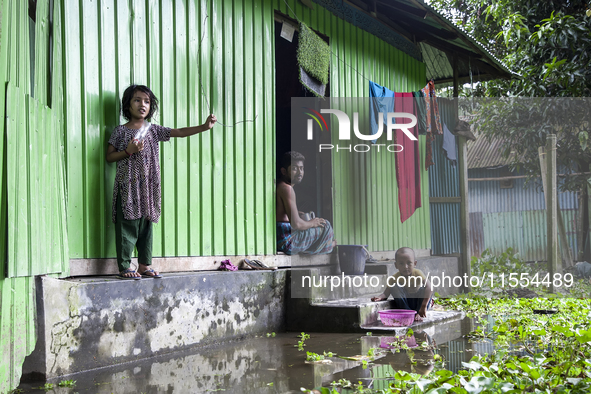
x: 150, y: 273
x: 258, y: 265
x: 121, y: 275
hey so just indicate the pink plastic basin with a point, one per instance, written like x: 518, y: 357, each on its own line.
x: 397, y: 317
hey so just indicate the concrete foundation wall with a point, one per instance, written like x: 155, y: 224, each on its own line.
x: 92, y: 323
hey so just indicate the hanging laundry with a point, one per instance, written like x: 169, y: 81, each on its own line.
x: 421, y: 112
x: 382, y: 100
x: 449, y: 144
x: 432, y: 111
x: 408, y: 164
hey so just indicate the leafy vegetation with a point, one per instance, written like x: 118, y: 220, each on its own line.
x: 301, y: 343
x: 548, y: 43
x: 533, y: 353
x: 67, y: 383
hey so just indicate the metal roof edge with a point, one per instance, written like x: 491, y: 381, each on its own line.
x: 463, y: 32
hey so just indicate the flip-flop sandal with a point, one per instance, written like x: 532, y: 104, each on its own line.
x: 259, y: 264
x: 251, y: 264
x: 121, y: 275
x: 153, y: 274
x: 245, y: 266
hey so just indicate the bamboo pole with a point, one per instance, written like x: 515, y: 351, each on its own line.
x: 564, y: 246
x: 548, y: 167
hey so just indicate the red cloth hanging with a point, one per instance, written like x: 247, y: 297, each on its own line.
x: 408, y: 166
x: 432, y: 112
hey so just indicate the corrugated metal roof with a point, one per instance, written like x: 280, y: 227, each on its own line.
x: 439, y: 39
x: 415, y: 27
x: 461, y: 42
x: 484, y: 153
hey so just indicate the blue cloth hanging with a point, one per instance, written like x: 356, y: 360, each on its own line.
x: 382, y: 100
x: 449, y: 144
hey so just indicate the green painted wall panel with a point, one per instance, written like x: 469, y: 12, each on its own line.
x: 36, y: 237
x: 369, y: 180
x: 36, y: 207
x: 211, y: 204
x: 17, y: 328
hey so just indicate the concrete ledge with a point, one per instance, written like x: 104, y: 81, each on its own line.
x: 95, y: 267
x: 91, y: 323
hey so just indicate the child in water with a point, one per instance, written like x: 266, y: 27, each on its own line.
x: 136, y: 193
x: 409, y: 287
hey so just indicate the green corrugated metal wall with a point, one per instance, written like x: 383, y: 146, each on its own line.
x: 32, y: 189
x: 369, y: 180
x: 218, y: 191
x: 213, y: 204
x: 218, y: 194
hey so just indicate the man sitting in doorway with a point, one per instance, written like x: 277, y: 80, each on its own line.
x: 294, y: 234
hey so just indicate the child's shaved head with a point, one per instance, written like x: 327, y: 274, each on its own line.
x: 405, y: 251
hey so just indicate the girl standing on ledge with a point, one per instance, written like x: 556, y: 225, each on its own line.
x: 136, y: 193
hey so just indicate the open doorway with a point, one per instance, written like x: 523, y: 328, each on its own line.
x: 317, y: 182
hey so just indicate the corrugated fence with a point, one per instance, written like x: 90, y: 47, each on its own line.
x: 444, y: 182
x: 515, y: 216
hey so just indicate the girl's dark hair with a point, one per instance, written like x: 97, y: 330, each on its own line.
x: 128, y: 95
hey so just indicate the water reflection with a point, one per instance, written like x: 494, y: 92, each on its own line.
x: 275, y: 365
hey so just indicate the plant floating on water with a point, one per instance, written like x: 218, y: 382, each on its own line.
x: 344, y: 383
x: 304, y: 336
x: 359, y: 387
x: 301, y: 343
x: 47, y: 387
x: 67, y: 383
x: 319, y: 358
x: 314, y: 356
x: 534, y: 353
x: 375, y: 352
x: 270, y: 335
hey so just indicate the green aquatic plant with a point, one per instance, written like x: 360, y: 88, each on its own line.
x: 67, y: 383
x: 534, y: 353
x: 301, y: 343
x: 47, y: 387
x: 310, y: 356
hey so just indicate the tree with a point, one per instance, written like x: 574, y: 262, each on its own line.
x: 549, y: 44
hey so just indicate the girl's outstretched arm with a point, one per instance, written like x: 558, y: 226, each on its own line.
x: 188, y: 131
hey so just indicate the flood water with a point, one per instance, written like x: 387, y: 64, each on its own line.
x: 275, y: 365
